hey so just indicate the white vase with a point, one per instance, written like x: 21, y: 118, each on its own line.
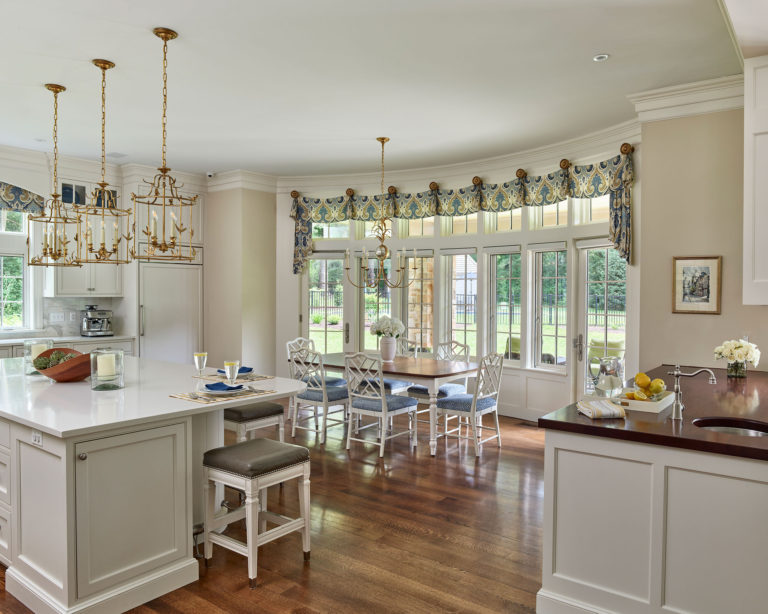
x: 388, y: 346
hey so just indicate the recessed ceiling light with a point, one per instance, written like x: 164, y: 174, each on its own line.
x: 600, y: 57
x: 40, y: 140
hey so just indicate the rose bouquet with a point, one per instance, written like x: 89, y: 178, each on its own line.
x: 738, y: 353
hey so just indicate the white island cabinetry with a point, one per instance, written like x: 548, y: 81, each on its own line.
x: 99, y: 491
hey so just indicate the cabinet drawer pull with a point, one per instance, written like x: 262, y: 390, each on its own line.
x: 82, y: 456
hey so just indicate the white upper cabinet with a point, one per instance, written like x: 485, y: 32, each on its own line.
x: 755, y: 290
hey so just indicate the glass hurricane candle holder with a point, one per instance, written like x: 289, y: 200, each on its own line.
x: 107, y: 369
x: 32, y: 349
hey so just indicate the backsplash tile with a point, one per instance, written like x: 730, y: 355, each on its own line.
x: 67, y: 306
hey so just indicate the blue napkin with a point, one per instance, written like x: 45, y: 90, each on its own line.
x: 218, y: 386
x: 240, y: 371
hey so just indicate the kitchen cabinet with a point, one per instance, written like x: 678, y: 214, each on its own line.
x: 6, y: 352
x: 132, y: 488
x: 755, y: 281
x: 89, y: 280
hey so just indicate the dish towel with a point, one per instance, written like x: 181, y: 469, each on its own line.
x: 221, y: 386
x: 600, y: 409
x: 240, y: 371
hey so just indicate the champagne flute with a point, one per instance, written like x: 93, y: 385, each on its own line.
x: 200, y: 359
x: 231, y: 369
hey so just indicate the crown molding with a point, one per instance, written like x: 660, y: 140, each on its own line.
x: 135, y: 173
x: 711, y: 96
x: 585, y: 149
x: 245, y: 180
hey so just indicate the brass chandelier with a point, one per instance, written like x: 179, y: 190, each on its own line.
x: 56, y: 220
x: 381, y: 231
x: 115, y: 228
x: 165, y: 235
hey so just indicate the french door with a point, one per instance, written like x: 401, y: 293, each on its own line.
x: 601, y: 312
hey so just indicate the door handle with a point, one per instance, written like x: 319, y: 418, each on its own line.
x: 141, y: 320
x: 82, y: 456
x: 578, y: 345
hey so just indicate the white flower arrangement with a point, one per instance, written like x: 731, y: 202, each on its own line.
x: 738, y: 350
x: 387, y: 327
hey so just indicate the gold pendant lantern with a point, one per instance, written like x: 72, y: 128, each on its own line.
x: 165, y: 235
x: 381, y: 232
x: 56, y: 224
x: 102, y: 218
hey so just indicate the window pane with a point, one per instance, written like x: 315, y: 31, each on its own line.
x: 421, y: 227
x: 377, y: 301
x: 600, y: 208
x: 464, y: 300
x: 368, y: 227
x: 551, y: 308
x: 509, y: 220
x: 506, y: 303
x: 606, y: 311
x: 326, y: 304
x: 333, y: 230
x: 419, y: 302
x: 11, y: 221
x: 551, y: 215
x: 11, y: 292
x: 465, y: 224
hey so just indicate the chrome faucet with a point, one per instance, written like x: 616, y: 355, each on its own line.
x: 678, y: 407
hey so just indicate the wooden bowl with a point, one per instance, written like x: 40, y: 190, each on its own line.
x: 73, y: 370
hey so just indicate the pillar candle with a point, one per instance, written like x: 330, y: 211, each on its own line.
x: 154, y: 224
x: 115, y: 238
x: 36, y: 349
x: 105, y: 365
x: 101, y: 239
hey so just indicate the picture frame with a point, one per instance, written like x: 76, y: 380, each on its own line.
x: 697, y: 284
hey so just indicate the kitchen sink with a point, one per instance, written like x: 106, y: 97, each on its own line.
x: 733, y: 426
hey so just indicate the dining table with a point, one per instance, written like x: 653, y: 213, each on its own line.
x: 428, y: 372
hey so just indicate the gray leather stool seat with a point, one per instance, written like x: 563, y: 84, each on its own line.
x: 255, y: 457
x: 254, y: 411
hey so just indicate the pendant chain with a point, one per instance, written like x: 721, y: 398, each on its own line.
x: 165, y: 93
x: 382, y: 169
x: 103, y: 124
x: 55, y: 142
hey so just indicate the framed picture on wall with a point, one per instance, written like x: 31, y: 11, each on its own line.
x: 697, y: 284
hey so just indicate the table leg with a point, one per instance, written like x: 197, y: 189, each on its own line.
x: 433, y: 419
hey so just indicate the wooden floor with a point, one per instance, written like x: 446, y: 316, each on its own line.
x: 409, y: 533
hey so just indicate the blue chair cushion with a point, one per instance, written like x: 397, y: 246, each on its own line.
x: 394, y: 403
x: 463, y: 402
x: 335, y: 393
x: 446, y: 390
x: 394, y: 384
x: 329, y: 380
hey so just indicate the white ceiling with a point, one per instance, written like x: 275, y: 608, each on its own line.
x: 750, y: 23
x: 299, y: 87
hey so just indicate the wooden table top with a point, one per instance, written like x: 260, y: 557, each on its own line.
x: 732, y: 398
x: 411, y: 367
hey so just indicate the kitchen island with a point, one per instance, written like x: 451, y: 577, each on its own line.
x: 650, y: 515
x: 99, y: 491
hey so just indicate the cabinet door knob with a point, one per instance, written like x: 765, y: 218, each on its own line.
x: 82, y: 456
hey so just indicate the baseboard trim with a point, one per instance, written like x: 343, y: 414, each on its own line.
x: 127, y: 596
x: 552, y: 603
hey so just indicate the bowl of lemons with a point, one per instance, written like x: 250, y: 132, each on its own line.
x: 647, y: 389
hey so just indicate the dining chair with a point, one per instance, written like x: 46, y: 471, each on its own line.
x: 484, y: 401
x: 307, y: 365
x: 363, y: 373
x: 448, y: 350
x: 403, y: 348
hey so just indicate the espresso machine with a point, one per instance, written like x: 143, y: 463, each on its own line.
x: 96, y: 322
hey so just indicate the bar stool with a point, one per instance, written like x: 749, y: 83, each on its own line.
x: 255, y: 416
x: 252, y: 466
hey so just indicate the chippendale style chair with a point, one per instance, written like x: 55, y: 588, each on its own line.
x: 484, y: 401
x: 307, y: 365
x: 449, y: 350
x: 365, y: 390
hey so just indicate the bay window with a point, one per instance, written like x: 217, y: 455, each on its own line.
x: 550, y: 307
x: 326, y: 304
x: 375, y: 302
x: 463, y: 270
x: 13, y: 274
x: 419, y: 302
x: 506, y: 302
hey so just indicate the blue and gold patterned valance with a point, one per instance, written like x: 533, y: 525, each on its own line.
x: 18, y: 199
x: 613, y: 176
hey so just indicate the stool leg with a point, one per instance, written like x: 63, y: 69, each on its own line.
x: 281, y: 428
x: 262, y: 508
x: 382, y: 435
x: 210, y: 510
x: 325, y: 423
x: 304, y: 507
x: 251, y: 528
x: 241, y: 434
x: 294, y: 416
x: 352, y: 418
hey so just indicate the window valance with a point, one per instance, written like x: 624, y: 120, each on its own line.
x: 18, y: 199
x: 613, y: 176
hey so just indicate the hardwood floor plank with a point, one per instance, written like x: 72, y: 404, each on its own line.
x: 409, y: 533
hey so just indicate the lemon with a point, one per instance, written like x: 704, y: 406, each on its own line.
x: 657, y: 386
x: 640, y: 396
x: 642, y: 380
x: 631, y: 396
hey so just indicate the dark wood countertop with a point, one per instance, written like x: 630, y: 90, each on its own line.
x: 734, y: 398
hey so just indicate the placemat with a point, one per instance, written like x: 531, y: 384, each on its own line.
x: 246, y: 377
x: 206, y: 399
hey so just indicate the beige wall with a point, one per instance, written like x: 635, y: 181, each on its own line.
x: 692, y: 184
x: 239, y: 262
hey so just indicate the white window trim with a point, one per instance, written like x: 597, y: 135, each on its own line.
x: 534, y: 291
x: 15, y: 244
x: 491, y: 311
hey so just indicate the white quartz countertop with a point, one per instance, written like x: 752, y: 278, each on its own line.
x: 59, y: 341
x: 71, y: 409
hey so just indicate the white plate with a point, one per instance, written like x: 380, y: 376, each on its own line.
x: 223, y: 393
